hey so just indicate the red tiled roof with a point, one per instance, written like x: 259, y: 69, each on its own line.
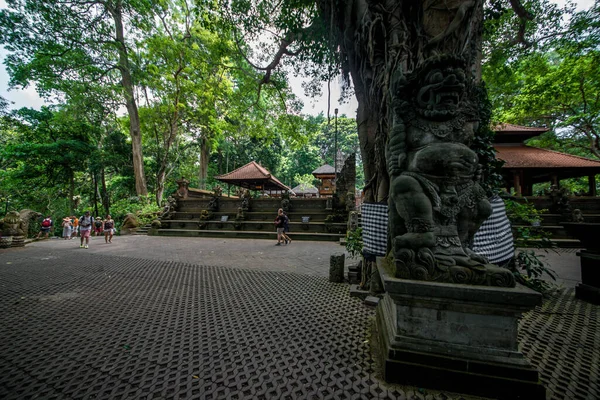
x: 511, y: 128
x: 533, y: 157
x: 252, y: 170
x: 252, y: 173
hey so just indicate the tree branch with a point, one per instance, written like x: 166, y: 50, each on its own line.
x: 524, y: 16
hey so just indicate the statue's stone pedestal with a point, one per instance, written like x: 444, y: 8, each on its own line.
x: 461, y: 338
x: 589, y: 288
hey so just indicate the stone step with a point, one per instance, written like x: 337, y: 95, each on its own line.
x: 562, y: 243
x: 259, y: 226
x: 556, y: 231
x: 266, y: 205
x: 315, y: 215
x: 556, y: 219
x: 328, y: 237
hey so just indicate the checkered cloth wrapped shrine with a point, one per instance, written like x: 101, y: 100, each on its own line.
x: 375, y: 228
x: 494, y: 238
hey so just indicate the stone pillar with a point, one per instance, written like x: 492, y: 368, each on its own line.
x: 592, y: 185
x: 336, y: 268
x: 460, y: 338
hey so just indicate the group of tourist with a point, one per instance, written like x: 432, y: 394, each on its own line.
x: 81, y: 227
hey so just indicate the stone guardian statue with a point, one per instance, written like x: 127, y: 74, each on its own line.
x: 436, y: 203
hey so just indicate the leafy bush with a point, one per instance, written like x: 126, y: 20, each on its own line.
x: 143, y: 206
x: 354, y: 243
x: 529, y: 267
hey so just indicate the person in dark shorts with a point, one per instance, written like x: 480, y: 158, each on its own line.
x: 280, y: 224
x: 46, y: 227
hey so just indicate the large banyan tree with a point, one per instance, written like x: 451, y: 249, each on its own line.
x: 415, y: 68
x: 368, y: 42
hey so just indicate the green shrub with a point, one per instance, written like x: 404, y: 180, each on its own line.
x: 528, y: 267
x: 354, y: 243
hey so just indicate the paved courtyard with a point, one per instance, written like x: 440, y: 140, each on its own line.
x: 186, y: 318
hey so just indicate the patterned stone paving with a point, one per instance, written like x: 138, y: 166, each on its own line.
x: 83, y: 326
x: 562, y: 339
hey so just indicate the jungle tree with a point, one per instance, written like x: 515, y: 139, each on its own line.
x: 369, y: 42
x: 61, y: 44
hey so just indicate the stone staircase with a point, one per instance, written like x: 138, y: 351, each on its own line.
x: 551, y: 223
x: 258, y: 222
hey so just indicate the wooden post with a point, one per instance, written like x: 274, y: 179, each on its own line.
x: 517, y: 178
x: 592, y: 185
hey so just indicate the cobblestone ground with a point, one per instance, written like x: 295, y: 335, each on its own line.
x: 107, y: 323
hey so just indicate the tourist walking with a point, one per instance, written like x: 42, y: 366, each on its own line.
x: 286, y: 229
x: 280, y: 224
x: 109, y: 229
x: 75, y: 226
x: 46, y: 227
x: 85, y: 229
x: 98, y: 225
x: 67, y: 227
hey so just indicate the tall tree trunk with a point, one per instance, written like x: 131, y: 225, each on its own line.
x: 160, y: 184
x: 382, y: 39
x: 204, y: 155
x: 104, y: 193
x: 71, y: 192
x: 130, y: 103
x: 95, y: 181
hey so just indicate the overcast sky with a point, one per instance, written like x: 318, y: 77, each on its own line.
x: 29, y: 98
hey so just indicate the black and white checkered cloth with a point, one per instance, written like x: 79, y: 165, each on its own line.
x: 375, y: 228
x: 494, y: 238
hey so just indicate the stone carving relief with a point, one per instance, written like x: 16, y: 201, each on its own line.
x: 436, y: 203
x: 169, y: 209
x: 182, y: 189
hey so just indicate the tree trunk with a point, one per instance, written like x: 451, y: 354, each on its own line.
x: 71, y: 192
x: 95, y: 181
x: 204, y: 155
x: 382, y: 39
x: 160, y: 184
x: 130, y: 103
x: 104, y: 193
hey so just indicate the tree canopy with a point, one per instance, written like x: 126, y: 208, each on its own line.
x: 151, y: 90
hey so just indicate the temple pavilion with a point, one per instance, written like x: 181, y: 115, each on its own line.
x: 526, y: 165
x: 254, y: 176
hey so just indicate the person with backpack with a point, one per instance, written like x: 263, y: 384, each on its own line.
x: 46, y: 227
x: 85, y: 228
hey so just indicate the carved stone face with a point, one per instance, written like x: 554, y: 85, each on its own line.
x: 441, y: 93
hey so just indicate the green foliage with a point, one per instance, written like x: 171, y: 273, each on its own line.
x: 354, y: 243
x: 552, y: 79
x: 491, y: 177
x: 529, y: 267
x: 143, y: 207
x: 530, y: 270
